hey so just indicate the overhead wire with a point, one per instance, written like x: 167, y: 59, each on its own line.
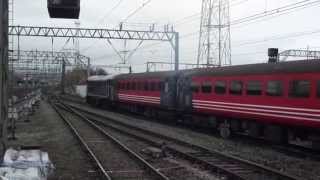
x: 102, y: 20
x: 197, y: 16
x: 288, y: 36
x: 110, y: 11
x: 136, y: 10
x: 283, y: 10
x: 278, y: 11
x: 267, y: 18
x: 272, y: 38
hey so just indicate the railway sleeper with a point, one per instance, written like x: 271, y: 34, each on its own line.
x: 127, y: 173
x: 201, y: 154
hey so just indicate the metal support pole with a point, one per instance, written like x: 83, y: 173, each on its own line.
x: 63, y: 76
x: 18, y: 48
x: 88, y: 68
x: 176, y: 51
x: 3, y: 74
x: 148, y: 68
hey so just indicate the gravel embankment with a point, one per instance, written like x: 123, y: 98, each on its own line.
x: 48, y: 131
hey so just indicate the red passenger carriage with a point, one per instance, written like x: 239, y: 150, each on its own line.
x: 263, y: 99
x: 144, y: 91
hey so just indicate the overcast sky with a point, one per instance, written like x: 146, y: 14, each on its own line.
x: 97, y: 14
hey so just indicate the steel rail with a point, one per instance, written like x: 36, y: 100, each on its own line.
x: 289, y: 149
x: 260, y: 167
x: 147, y: 165
x: 83, y: 143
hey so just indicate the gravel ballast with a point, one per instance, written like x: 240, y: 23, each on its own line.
x: 307, y: 169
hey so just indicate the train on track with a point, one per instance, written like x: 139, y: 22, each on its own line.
x: 276, y: 101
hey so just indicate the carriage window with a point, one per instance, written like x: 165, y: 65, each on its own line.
x: 236, y: 87
x: 140, y: 84
x: 274, y: 88
x: 300, y: 89
x: 130, y: 86
x: 133, y: 85
x: 195, y: 87
x: 152, y: 86
x: 318, y: 89
x: 206, y: 87
x: 254, y: 88
x: 146, y: 88
x: 220, y: 87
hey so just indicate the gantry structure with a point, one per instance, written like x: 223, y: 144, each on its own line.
x: 46, y: 65
x: 54, y: 57
x: 299, y: 53
x: 156, y: 66
x: 116, y: 67
x: 169, y: 36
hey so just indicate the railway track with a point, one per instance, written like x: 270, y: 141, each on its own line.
x: 231, y: 167
x: 289, y: 149
x: 112, y: 159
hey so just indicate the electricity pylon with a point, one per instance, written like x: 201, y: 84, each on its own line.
x: 215, y: 41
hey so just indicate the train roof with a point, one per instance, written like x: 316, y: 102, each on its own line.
x: 102, y: 77
x: 147, y: 75
x: 302, y: 66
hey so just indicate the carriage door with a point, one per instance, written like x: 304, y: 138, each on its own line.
x: 108, y: 90
x: 112, y: 90
x: 168, y: 92
x: 184, y: 93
